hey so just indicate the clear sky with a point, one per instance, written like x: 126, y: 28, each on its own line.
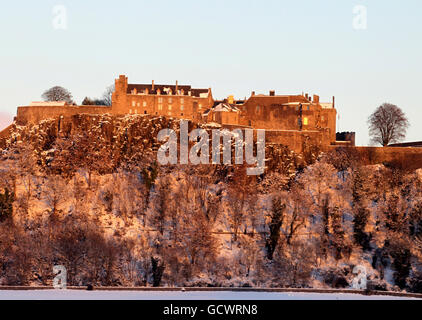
x: 232, y: 46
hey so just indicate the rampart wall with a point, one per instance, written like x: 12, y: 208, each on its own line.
x: 410, y: 158
x: 33, y: 115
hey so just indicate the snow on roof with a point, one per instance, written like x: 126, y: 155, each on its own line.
x: 225, y: 107
x: 212, y: 125
x: 326, y: 105
x: 295, y: 103
x: 48, y: 104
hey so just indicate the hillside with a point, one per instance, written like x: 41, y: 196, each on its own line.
x: 88, y: 194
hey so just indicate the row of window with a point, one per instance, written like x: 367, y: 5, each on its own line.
x: 170, y: 107
x: 170, y: 100
x: 135, y: 111
x: 160, y: 101
x: 258, y: 108
x: 134, y: 104
x: 306, y: 121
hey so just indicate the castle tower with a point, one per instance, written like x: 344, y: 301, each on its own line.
x: 119, y: 95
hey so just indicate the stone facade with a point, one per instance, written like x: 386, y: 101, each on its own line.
x: 404, y: 157
x: 291, y: 120
x: 35, y: 114
x: 288, y: 119
x: 293, y: 112
x: 166, y: 100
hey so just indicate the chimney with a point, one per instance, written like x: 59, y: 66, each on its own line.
x: 153, y: 85
x: 253, y: 93
x: 306, y: 96
x: 316, y: 98
x: 334, y: 102
x: 177, y: 86
x: 272, y: 93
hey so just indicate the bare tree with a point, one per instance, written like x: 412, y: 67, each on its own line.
x: 83, y: 150
x: 388, y: 124
x: 54, y: 194
x: 297, y: 205
x: 107, y: 95
x: 276, y: 220
x: 239, y: 189
x: 58, y: 94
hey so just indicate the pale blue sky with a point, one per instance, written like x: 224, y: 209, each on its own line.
x: 232, y: 46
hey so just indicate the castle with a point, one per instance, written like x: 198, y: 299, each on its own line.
x: 287, y: 119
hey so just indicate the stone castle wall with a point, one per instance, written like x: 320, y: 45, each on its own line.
x: 33, y: 115
x: 406, y: 157
x: 410, y: 158
x: 278, y: 115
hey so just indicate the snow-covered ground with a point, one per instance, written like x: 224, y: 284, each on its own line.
x: 179, y: 295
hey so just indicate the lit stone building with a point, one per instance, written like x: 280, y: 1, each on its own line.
x: 288, y: 119
x: 178, y: 101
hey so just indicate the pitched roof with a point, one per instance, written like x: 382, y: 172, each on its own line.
x: 163, y: 89
x: 225, y: 107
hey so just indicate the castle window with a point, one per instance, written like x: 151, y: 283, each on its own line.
x: 257, y: 109
x: 160, y: 107
x: 130, y: 111
x: 170, y: 106
x: 182, y: 101
x: 145, y: 112
x: 145, y: 104
x: 133, y: 103
x: 169, y: 113
x: 323, y: 118
x: 138, y: 104
x: 182, y: 107
x: 200, y: 106
x: 170, y: 100
x: 309, y: 108
x: 305, y: 121
x: 160, y: 100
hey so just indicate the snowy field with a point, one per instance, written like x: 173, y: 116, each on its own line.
x: 179, y: 295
